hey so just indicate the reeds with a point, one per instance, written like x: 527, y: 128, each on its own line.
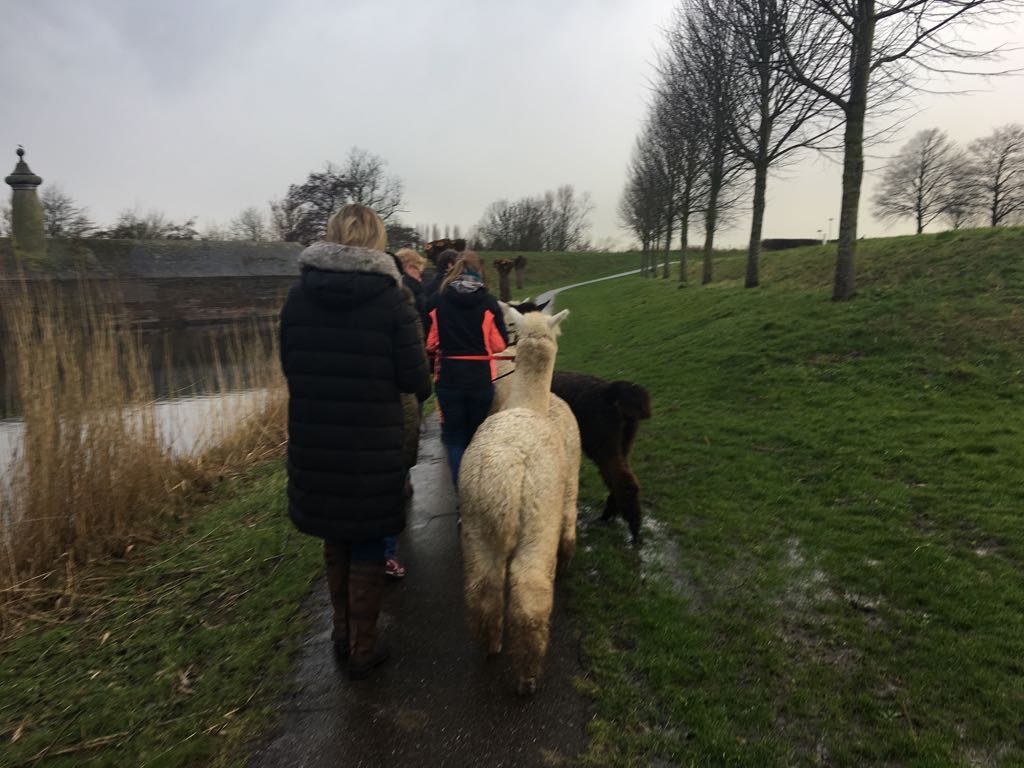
x: 94, y: 470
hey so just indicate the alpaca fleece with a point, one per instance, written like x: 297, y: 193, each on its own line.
x: 518, y: 488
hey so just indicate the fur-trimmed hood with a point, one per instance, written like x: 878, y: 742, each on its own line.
x: 334, y: 257
x: 345, y: 276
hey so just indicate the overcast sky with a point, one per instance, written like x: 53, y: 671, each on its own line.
x: 204, y: 108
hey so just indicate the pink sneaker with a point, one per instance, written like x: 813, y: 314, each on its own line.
x: 394, y: 569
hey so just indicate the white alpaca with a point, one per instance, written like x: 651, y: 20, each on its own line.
x: 558, y: 410
x: 517, y: 491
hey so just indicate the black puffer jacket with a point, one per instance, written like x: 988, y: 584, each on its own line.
x: 418, y: 296
x: 349, y: 345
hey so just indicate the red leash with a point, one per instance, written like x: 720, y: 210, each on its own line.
x: 478, y: 357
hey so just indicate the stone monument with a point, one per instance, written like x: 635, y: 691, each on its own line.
x: 28, y: 235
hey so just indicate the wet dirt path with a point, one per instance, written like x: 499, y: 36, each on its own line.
x: 438, y: 702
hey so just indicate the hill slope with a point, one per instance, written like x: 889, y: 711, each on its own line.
x: 834, y: 572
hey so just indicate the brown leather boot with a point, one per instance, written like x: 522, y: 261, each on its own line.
x: 366, y: 584
x: 336, y: 561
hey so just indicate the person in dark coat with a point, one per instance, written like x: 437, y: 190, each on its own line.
x: 412, y: 278
x: 350, y: 345
x: 410, y: 265
x: 444, y: 265
x: 465, y: 321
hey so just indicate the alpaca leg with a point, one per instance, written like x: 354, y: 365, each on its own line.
x: 611, y: 508
x: 624, y: 493
x: 485, y: 593
x: 609, y: 473
x: 531, y: 596
x: 627, y: 498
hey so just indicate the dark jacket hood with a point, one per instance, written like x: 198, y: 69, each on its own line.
x: 345, y: 275
x: 466, y: 290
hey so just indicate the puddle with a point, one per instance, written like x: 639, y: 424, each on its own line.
x: 187, y: 426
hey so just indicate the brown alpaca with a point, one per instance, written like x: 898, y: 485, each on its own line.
x: 609, y: 414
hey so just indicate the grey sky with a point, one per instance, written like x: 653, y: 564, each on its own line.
x: 203, y: 108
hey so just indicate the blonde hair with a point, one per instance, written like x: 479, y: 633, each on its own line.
x: 411, y: 258
x: 467, y: 261
x: 356, y: 224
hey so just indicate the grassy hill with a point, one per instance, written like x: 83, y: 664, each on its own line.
x: 834, y: 572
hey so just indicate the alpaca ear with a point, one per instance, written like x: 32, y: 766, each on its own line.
x: 512, y: 312
x: 545, y: 307
x: 554, y: 321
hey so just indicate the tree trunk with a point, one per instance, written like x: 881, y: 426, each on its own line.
x: 504, y: 291
x: 668, y: 246
x: 853, y: 153
x: 757, y: 222
x: 684, y: 237
x: 710, y: 223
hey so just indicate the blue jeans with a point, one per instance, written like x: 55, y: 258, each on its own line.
x: 390, y: 546
x: 366, y: 551
x: 463, y: 410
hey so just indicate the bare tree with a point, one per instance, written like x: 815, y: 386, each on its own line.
x: 249, y: 225
x: 962, y: 206
x: 711, y: 71
x: 6, y: 220
x: 641, y: 209
x: 285, y: 215
x: 859, y: 54
x: 555, y: 221
x: 773, y: 116
x: 368, y: 184
x: 303, y: 213
x: 309, y: 205
x: 997, y: 169
x: 401, y: 236
x: 567, y: 219
x: 921, y: 180
x: 154, y: 225
x: 690, y: 142
x: 665, y: 139
x: 61, y: 217
x: 212, y: 230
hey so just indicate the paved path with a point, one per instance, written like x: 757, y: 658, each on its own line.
x: 542, y: 297
x: 438, y: 702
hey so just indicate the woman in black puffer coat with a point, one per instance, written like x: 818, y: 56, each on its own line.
x: 350, y: 345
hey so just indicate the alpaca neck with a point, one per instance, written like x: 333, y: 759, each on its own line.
x: 531, y: 382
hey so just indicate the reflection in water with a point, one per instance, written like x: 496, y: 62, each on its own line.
x: 183, y: 361
x: 203, y: 378
x: 187, y: 426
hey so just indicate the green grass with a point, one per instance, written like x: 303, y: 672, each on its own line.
x: 834, y: 566
x: 173, y: 656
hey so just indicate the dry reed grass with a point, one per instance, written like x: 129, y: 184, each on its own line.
x: 94, y: 472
